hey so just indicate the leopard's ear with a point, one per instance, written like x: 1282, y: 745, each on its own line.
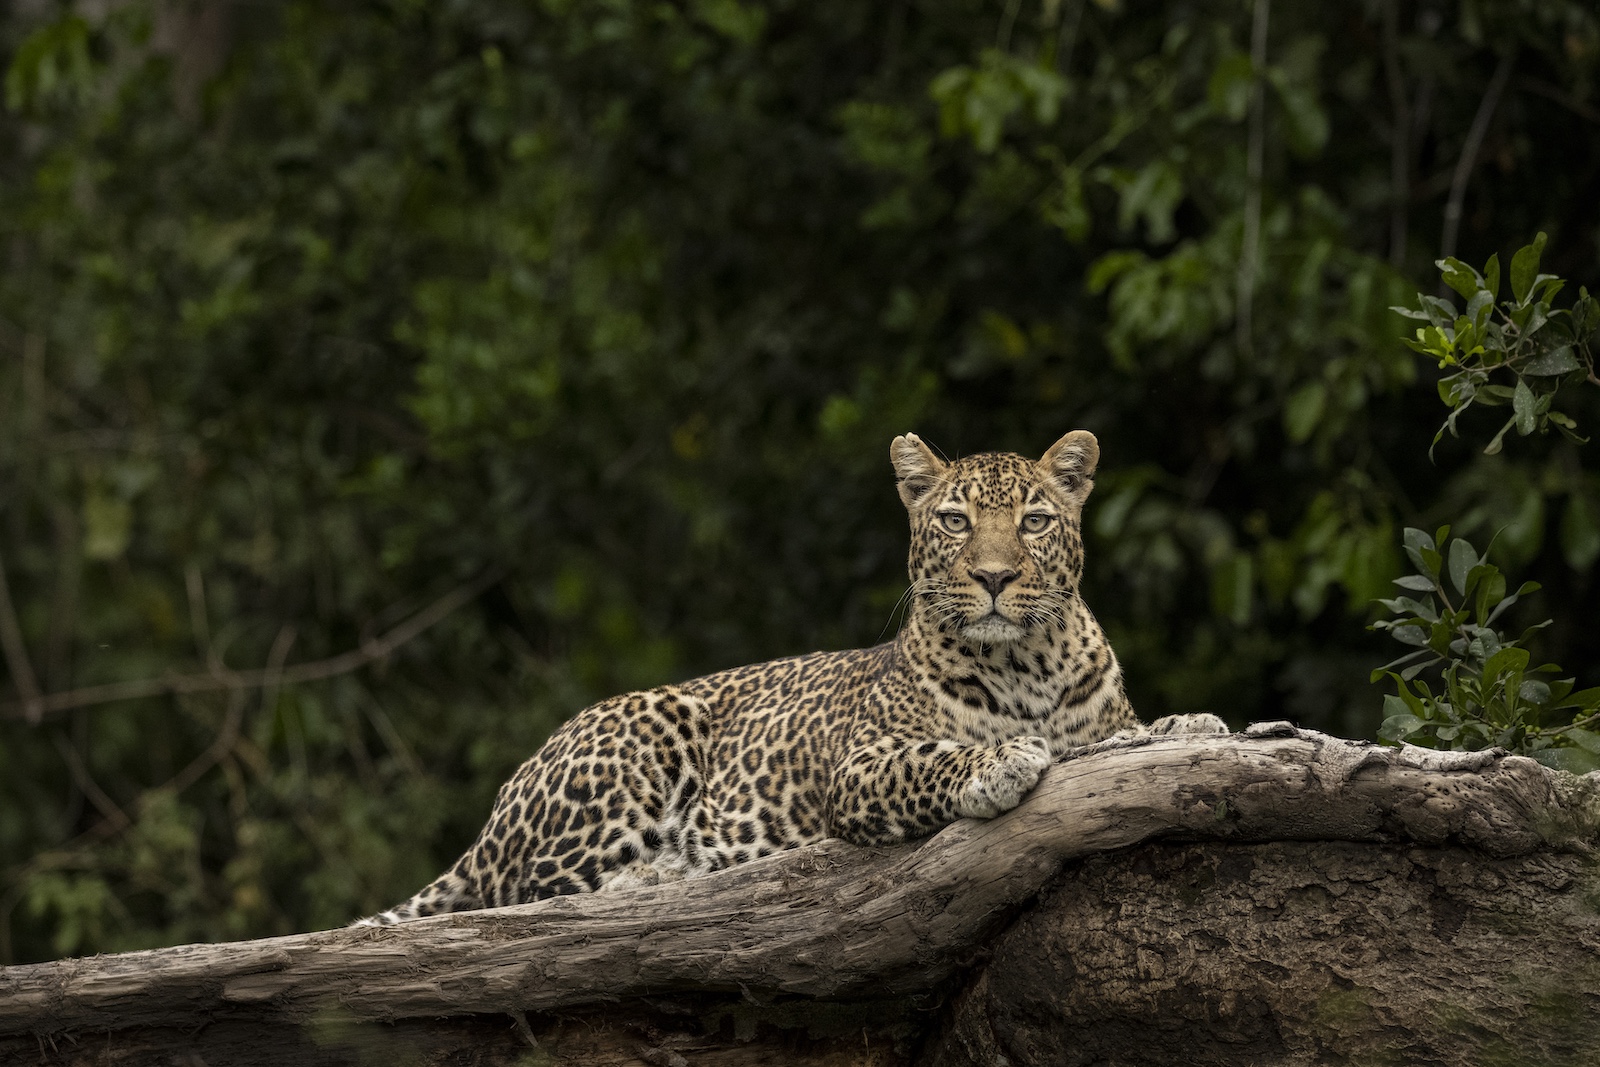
x: 1069, y: 464
x: 916, y: 469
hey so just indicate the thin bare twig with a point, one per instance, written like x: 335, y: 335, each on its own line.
x: 1067, y: 37
x: 215, y: 753
x: 1249, y: 250
x: 108, y: 808
x: 343, y: 663
x: 1400, y: 145
x: 16, y: 653
x: 56, y: 662
x: 276, y: 658
x: 1469, y: 154
x: 1565, y: 99
x: 194, y: 586
x: 1002, y: 39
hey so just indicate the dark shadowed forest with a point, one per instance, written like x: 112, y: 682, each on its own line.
x: 381, y: 382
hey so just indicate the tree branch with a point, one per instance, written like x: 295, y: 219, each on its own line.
x: 221, y: 679
x: 1249, y: 250
x: 1560, y: 96
x: 16, y: 653
x: 114, y: 816
x: 830, y: 920
x: 1469, y: 154
x: 1400, y: 145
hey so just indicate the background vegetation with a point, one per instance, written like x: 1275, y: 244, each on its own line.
x: 596, y: 319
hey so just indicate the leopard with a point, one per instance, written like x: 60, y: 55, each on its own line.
x: 997, y: 668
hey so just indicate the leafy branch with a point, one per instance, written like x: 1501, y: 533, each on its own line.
x: 1486, y: 692
x: 35, y: 707
x: 1516, y: 352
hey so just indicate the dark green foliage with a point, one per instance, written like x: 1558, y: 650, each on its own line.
x: 316, y: 311
x: 1488, y: 694
x: 1535, y: 345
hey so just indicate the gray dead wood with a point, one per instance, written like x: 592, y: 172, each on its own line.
x: 835, y: 951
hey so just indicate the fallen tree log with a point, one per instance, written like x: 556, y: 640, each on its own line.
x: 1322, y: 896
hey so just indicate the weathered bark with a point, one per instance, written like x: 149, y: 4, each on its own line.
x: 1294, y: 953
x: 1438, y: 888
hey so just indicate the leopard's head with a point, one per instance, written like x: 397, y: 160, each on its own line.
x: 996, y: 545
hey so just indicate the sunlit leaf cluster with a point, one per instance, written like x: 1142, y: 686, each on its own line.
x: 1515, y: 352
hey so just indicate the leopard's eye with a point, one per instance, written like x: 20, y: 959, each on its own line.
x: 1036, y: 521
x: 954, y: 521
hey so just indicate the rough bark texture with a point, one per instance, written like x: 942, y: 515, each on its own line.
x: 1294, y: 953
x: 1329, y: 900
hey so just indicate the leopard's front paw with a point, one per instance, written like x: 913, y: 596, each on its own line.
x: 1005, y: 779
x: 1203, y: 723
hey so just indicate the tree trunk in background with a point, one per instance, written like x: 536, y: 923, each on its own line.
x: 1327, y: 901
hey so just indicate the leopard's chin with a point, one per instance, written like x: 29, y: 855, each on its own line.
x: 992, y: 629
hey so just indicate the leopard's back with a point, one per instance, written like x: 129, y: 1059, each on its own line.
x: 666, y: 783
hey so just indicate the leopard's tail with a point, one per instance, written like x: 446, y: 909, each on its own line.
x: 451, y: 891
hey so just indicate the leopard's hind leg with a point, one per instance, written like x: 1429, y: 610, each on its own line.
x: 616, y: 797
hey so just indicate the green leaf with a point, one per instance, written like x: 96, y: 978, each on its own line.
x: 1153, y: 195
x: 1404, y: 605
x: 1441, y: 635
x: 1580, y: 534
x: 1534, y: 692
x: 1494, y: 445
x: 1586, y: 312
x: 1415, y: 582
x: 1420, y: 547
x: 1106, y: 269
x: 1478, y: 309
x: 1408, y: 699
x: 1460, y: 277
x: 1439, y: 312
x: 1408, y: 658
x: 1546, y: 286
x: 1401, y: 727
x: 1504, y: 661
x: 1491, y: 591
x: 1525, y: 268
x: 52, y: 63
x: 1462, y: 559
x: 107, y: 526
x: 1303, y: 411
x: 1587, y: 699
x: 1522, y: 403
x: 1491, y: 275
x: 1306, y: 123
x: 1554, y: 362
x: 1574, y: 760
x: 1066, y: 207
x: 1408, y: 633
x: 1228, y: 91
x: 1527, y: 635
x: 1586, y: 739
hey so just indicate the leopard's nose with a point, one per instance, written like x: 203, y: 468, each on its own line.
x: 993, y: 579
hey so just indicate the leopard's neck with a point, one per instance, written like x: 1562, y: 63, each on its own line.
x: 1031, y: 679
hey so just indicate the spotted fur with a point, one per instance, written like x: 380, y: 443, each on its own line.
x: 999, y: 667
